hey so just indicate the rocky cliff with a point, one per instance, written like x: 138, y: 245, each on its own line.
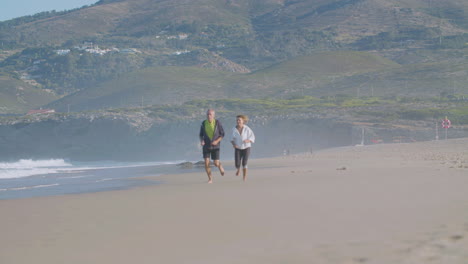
x: 140, y: 138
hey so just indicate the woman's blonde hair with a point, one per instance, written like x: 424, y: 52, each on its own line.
x: 243, y: 117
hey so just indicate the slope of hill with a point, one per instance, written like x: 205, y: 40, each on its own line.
x: 259, y: 27
x: 307, y: 75
x: 129, y: 18
x: 160, y: 85
x: 18, y: 97
x: 415, y: 80
x: 299, y: 47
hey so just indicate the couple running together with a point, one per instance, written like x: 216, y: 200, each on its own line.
x: 211, y: 134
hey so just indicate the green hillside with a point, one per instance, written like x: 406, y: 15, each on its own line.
x: 321, y: 74
x: 348, y: 19
x: 134, y: 19
x: 133, y: 52
x: 159, y: 85
x: 429, y: 79
x: 17, y: 97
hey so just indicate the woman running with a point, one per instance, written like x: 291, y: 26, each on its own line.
x: 242, y: 138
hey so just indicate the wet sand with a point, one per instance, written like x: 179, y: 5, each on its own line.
x: 396, y: 203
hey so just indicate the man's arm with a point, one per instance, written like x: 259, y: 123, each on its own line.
x: 221, y: 134
x: 221, y: 130
x: 215, y: 142
x: 201, y: 135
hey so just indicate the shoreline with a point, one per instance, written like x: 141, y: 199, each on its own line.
x: 383, y: 204
x: 81, y: 181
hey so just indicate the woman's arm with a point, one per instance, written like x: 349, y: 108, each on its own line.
x: 250, y: 136
x: 234, y: 137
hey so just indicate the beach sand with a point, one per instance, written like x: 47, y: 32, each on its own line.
x: 395, y: 203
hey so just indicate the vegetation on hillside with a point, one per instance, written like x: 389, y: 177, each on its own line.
x: 322, y: 74
x: 295, y: 48
x: 368, y: 110
x: 73, y: 71
x: 19, y: 97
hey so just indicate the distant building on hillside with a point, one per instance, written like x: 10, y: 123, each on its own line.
x: 129, y: 51
x: 40, y: 111
x: 179, y: 52
x: 62, y: 52
x: 84, y: 46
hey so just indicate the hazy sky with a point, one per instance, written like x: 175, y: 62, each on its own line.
x: 15, y: 8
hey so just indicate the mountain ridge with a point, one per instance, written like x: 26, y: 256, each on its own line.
x: 243, y: 36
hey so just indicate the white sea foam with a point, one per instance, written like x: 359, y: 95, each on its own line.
x: 29, y: 187
x: 28, y: 163
x: 28, y: 167
x: 106, y: 179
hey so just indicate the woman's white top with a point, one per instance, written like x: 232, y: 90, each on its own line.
x: 239, y: 138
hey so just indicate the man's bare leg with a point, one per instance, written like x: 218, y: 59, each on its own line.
x: 220, y: 167
x: 244, y: 170
x: 208, y: 170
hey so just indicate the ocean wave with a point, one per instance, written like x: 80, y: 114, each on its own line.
x: 106, y: 179
x: 29, y: 187
x: 29, y: 163
x: 27, y: 167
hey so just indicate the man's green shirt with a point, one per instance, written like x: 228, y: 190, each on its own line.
x: 210, y: 128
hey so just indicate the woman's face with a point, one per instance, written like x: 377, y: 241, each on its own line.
x: 240, y: 122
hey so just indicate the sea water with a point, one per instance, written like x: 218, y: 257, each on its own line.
x: 31, y: 178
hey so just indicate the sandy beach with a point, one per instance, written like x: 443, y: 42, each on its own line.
x: 382, y: 204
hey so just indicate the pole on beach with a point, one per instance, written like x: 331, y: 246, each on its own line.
x: 362, y: 137
x: 446, y: 124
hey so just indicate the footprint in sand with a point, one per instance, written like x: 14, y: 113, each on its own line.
x: 451, y: 249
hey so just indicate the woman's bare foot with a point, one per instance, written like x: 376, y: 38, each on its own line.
x: 237, y: 172
x: 210, y: 181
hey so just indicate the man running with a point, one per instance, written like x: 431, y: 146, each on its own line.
x: 211, y: 134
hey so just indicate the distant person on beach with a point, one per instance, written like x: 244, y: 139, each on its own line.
x: 242, y: 138
x: 211, y: 134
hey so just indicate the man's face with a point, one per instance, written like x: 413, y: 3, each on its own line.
x: 210, y: 115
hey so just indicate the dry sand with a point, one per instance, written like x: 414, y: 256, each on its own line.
x: 383, y: 204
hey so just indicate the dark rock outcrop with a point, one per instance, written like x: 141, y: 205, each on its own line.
x: 86, y: 137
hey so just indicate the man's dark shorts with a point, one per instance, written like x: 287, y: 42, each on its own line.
x: 214, y: 153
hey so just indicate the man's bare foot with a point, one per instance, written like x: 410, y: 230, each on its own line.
x: 237, y: 172
x: 221, y: 170
x: 210, y: 181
